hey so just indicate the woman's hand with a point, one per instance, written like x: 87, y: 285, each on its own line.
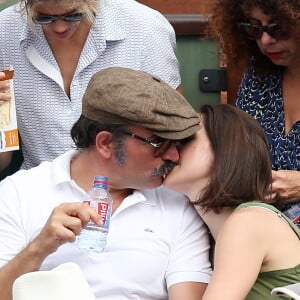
x: 286, y: 184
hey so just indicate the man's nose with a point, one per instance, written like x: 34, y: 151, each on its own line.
x: 171, y: 154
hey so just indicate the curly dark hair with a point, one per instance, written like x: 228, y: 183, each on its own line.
x: 241, y: 170
x: 239, y: 51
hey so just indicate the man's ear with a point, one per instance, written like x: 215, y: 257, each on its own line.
x: 103, y: 143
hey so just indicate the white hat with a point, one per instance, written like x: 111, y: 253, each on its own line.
x: 291, y: 291
x: 64, y: 282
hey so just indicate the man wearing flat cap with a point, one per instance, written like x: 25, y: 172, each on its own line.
x: 157, y: 245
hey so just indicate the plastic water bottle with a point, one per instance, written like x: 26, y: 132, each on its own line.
x: 94, y: 237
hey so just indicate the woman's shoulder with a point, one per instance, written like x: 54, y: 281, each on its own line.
x: 247, y: 217
x: 260, y: 209
x: 12, y: 22
x: 130, y: 11
x: 254, y: 89
x: 262, y: 218
x: 250, y: 219
x: 11, y: 12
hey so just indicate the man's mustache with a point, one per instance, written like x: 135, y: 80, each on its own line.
x: 164, y: 169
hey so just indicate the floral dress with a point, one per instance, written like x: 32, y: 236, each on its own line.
x: 262, y: 98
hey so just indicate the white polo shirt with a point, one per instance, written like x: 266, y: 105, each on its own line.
x: 156, y: 239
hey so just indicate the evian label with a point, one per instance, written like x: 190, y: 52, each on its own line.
x: 103, y: 209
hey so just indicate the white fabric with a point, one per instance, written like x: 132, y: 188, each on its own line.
x: 61, y: 283
x: 291, y: 291
x: 156, y: 238
x: 126, y: 33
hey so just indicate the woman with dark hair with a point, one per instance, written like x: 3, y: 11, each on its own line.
x: 225, y: 171
x: 264, y: 37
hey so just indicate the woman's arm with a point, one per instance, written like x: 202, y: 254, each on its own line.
x: 239, y: 254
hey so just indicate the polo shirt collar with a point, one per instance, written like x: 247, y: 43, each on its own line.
x: 110, y: 21
x: 61, y: 167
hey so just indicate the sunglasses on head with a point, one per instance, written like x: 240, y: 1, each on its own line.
x: 255, y: 32
x: 44, y: 19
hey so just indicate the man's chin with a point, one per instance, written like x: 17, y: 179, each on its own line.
x: 165, y: 180
x: 156, y: 182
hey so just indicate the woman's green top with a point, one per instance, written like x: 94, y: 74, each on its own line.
x: 266, y: 281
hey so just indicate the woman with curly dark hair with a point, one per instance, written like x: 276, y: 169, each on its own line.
x: 264, y: 36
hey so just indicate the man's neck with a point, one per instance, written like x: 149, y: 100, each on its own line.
x: 82, y: 169
x: 85, y: 165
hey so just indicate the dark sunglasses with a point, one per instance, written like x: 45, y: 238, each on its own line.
x: 44, y: 19
x: 255, y: 32
x: 160, y: 148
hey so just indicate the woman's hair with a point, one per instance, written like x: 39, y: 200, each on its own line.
x: 241, y: 170
x: 239, y: 51
x: 89, y: 7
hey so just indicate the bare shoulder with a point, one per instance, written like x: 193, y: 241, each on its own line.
x: 257, y: 215
x: 259, y: 223
x: 245, y: 237
x: 254, y: 217
x: 256, y: 221
x: 255, y: 233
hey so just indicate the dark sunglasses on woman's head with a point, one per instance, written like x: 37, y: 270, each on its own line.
x: 255, y: 32
x: 44, y: 19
